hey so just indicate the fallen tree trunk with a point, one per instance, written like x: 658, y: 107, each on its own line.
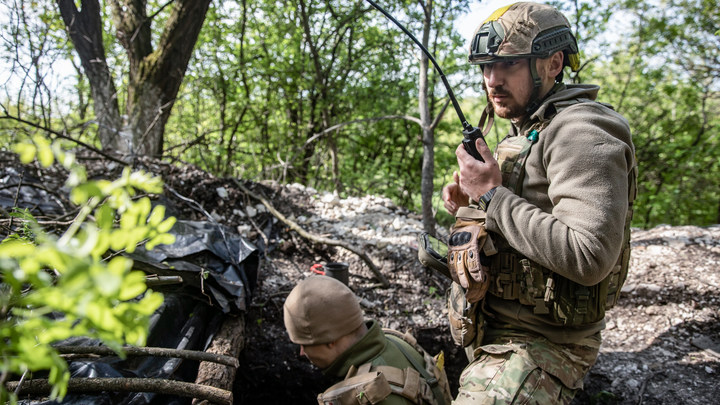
x: 156, y: 385
x: 229, y: 341
x: 317, y: 238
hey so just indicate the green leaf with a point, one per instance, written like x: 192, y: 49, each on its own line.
x: 104, y: 217
x: 149, y: 303
x: 161, y: 239
x: 133, y: 286
x: 166, y: 225
x: 14, y: 248
x: 143, y: 207
x: 84, y: 192
x: 102, y: 244
x: 134, y: 237
x: 108, y: 284
x: 45, y: 153
x: 119, y: 265
x: 26, y: 151
x: 101, y: 316
x: 156, y: 216
x: 119, y: 239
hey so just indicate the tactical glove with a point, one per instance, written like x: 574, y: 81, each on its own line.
x: 468, y: 249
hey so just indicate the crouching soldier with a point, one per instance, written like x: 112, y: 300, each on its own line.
x: 373, y: 365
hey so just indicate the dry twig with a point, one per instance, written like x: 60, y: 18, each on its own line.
x: 317, y: 238
x: 157, y: 385
x: 151, y: 351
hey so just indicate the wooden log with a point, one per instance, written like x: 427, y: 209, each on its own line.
x: 132, y: 351
x: 228, y: 342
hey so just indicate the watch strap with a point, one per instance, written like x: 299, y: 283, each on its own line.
x: 484, y: 200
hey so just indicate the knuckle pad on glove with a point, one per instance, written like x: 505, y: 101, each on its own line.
x: 466, y: 247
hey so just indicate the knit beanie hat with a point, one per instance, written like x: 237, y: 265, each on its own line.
x: 319, y: 310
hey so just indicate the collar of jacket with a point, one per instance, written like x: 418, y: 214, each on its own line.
x: 560, y: 92
x: 363, y: 351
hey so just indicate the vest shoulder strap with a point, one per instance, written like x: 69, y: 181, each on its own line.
x: 365, y: 388
x: 433, y: 373
x: 558, y: 106
x: 370, y: 384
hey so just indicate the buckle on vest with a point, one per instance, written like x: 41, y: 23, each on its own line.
x: 504, y: 280
x: 582, y: 297
x: 529, y: 279
x: 540, y: 307
x: 549, y: 287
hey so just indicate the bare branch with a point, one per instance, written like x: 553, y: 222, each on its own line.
x: 151, y: 351
x: 85, y: 385
x: 439, y: 116
x: 317, y: 238
x: 63, y: 136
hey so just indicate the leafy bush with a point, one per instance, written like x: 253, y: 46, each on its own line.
x: 76, y: 284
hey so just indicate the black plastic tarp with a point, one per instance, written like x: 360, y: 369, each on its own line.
x: 179, y: 323
x: 215, y: 263
x: 219, y: 272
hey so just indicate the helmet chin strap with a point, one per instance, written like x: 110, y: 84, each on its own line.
x: 534, y: 101
x: 489, y: 115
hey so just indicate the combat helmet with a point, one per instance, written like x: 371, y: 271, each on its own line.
x: 525, y: 30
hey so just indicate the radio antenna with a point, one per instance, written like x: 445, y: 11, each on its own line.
x: 470, y: 133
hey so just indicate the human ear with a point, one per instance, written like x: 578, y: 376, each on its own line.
x: 555, y: 64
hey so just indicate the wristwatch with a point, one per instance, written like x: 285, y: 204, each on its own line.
x: 484, y: 200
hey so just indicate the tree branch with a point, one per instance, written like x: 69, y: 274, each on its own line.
x: 157, y: 385
x: 151, y: 351
x: 288, y: 162
x: 439, y: 116
x: 63, y: 136
x: 316, y: 238
x: 343, y: 124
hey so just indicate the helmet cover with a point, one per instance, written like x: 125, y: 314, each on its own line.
x: 524, y: 30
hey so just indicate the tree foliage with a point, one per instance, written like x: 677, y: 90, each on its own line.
x: 326, y: 93
x: 665, y: 78
x: 76, y: 284
x: 314, y: 92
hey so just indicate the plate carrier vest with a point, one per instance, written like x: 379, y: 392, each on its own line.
x: 368, y: 384
x: 515, y: 277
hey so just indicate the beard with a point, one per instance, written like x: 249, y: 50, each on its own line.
x: 509, y: 108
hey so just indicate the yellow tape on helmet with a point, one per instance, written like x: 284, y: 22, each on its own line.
x: 498, y: 13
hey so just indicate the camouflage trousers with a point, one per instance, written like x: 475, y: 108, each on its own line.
x: 515, y: 368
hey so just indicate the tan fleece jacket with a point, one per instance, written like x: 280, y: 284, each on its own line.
x: 571, y: 212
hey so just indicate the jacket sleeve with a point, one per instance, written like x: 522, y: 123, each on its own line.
x: 575, y: 228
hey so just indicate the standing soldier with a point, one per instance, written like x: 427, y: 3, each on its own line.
x: 375, y: 365
x: 556, y: 201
